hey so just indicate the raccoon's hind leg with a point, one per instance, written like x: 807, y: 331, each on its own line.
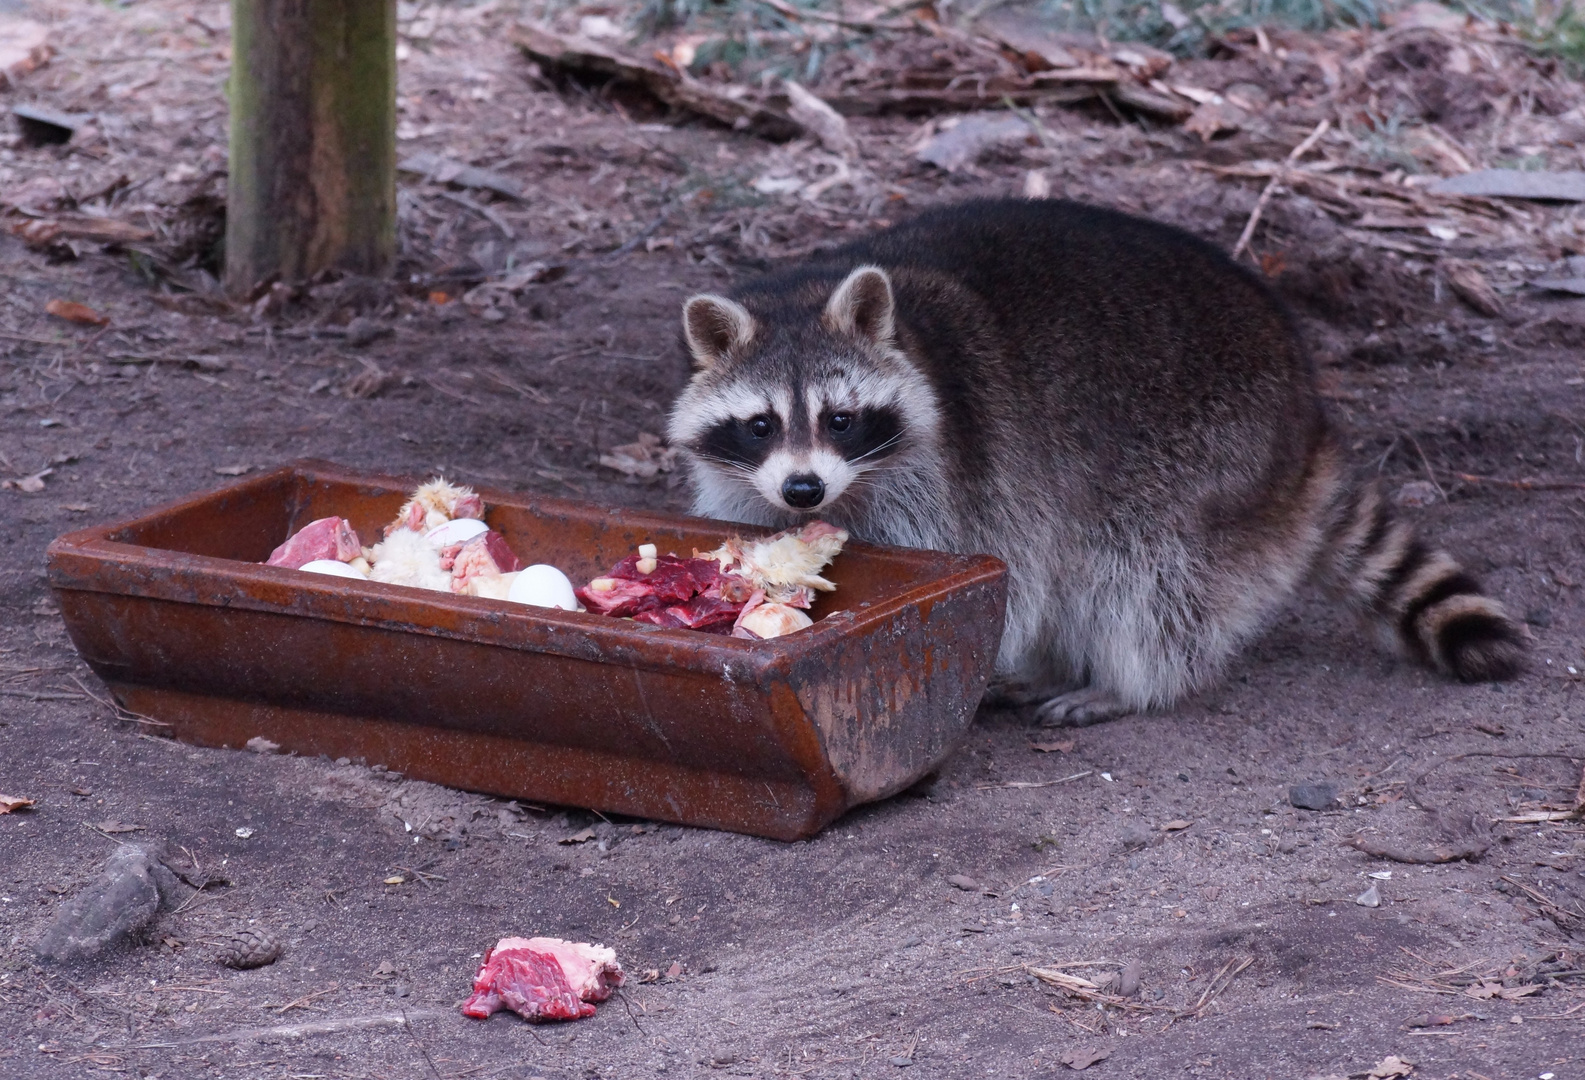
x: 1435, y: 609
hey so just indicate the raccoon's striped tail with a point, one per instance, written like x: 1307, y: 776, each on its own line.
x: 1436, y: 609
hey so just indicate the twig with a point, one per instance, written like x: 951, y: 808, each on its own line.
x: 1430, y: 474
x: 302, y: 1002
x: 787, y: 11
x: 483, y: 211
x: 1219, y: 982
x: 643, y: 234
x: 1525, y: 484
x: 414, y: 1036
x: 630, y: 1015
x: 119, y: 711
x: 1023, y: 784
x: 1271, y: 185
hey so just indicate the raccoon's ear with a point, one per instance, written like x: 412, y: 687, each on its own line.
x: 862, y: 306
x: 714, y: 326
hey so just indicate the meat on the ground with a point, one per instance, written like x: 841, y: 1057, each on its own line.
x: 543, y: 979
x: 328, y: 538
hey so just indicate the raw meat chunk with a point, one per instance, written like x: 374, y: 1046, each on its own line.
x: 328, y: 538
x: 486, y: 555
x: 626, y: 590
x: 711, y: 614
x: 543, y: 979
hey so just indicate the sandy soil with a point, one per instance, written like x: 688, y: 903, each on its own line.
x: 850, y: 955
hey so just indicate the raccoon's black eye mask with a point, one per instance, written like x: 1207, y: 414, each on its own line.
x: 870, y: 434
x: 741, y: 442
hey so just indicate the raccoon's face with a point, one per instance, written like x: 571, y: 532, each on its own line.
x: 799, y: 407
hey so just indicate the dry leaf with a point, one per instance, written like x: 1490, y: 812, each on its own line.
x: 1212, y: 118
x: 643, y: 459
x: 583, y: 836
x: 1064, y: 747
x: 32, y: 485
x: 1080, y: 1059
x: 1390, y: 1067
x: 72, y: 311
x: 9, y: 803
x: 1175, y: 825
x: 393, y: 880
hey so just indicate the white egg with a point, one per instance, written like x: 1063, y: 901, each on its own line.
x: 543, y: 586
x: 332, y: 568
x: 459, y: 531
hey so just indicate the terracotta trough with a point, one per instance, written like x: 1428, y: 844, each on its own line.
x: 175, y: 612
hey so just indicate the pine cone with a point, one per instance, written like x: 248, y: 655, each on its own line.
x: 248, y: 949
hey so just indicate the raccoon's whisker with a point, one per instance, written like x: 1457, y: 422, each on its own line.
x: 887, y: 445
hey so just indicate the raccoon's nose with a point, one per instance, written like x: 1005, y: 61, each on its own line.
x: 805, y: 490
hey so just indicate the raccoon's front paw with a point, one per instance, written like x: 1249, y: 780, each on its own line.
x: 1004, y: 696
x: 1080, y: 708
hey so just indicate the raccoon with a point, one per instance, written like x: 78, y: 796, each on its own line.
x: 1112, y: 406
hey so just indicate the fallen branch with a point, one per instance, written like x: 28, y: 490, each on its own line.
x: 295, y: 1031
x: 661, y: 78
x: 1271, y: 185
x: 1468, y: 850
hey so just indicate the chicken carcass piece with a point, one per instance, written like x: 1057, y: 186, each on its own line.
x: 785, y: 566
x: 404, y: 557
x: 328, y: 538
x: 486, y: 555
x: 434, y: 504
x: 543, y: 979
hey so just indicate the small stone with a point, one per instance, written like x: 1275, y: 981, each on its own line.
x: 1128, y: 979
x: 362, y: 331
x: 1287, y: 845
x: 964, y: 882
x: 114, y: 908
x: 1369, y: 898
x: 260, y: 745
x: 1313, y: 796
x: 1134, y: 837
x: 901, y: 1062
x: 1417, y: 493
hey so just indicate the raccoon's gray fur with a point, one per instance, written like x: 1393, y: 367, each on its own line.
x: 1112, y: 406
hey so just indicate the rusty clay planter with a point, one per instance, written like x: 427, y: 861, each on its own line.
x: 174, y: 610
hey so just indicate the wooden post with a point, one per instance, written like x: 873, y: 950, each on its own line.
x: 313, y: 139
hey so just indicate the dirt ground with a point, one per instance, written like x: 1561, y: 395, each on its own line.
x: 852, y: 954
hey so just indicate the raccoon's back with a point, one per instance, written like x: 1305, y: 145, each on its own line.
x: 1137, y: 354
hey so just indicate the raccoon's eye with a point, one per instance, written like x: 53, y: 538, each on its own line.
x: 840, y: 421
x: 761, y: 427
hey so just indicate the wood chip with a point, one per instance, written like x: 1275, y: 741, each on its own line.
x: 1472, y: 287
x: 1515, y: 184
